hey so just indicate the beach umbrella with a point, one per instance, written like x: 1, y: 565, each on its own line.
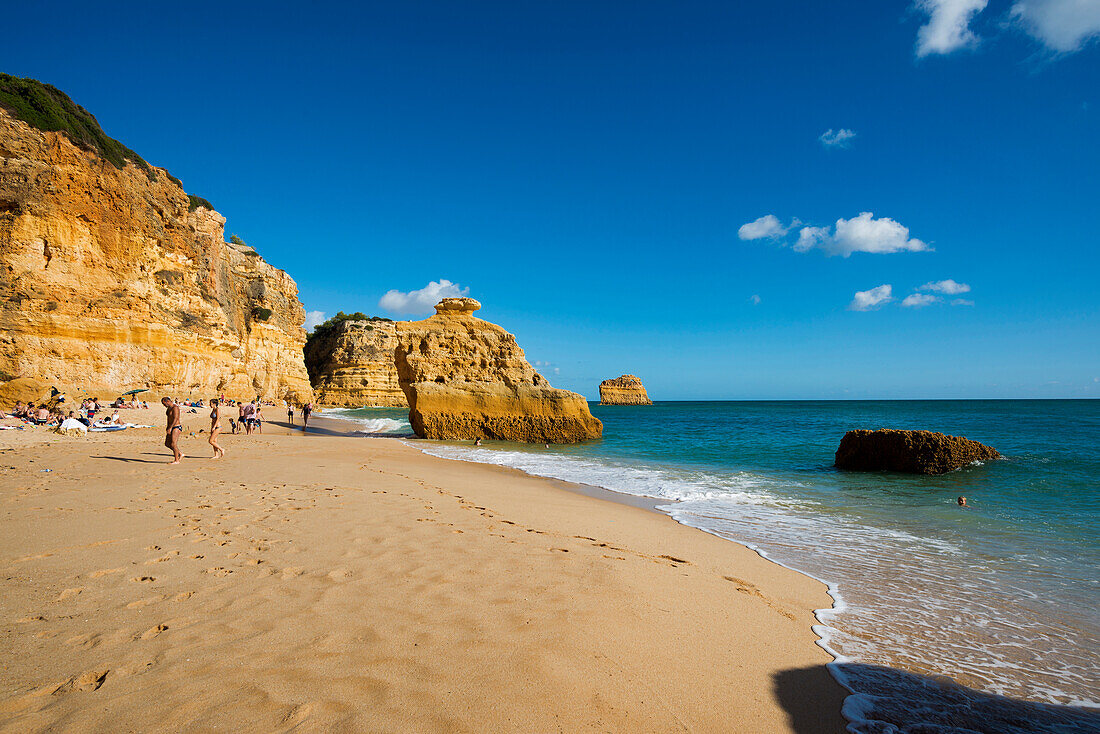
x: 135, y: 392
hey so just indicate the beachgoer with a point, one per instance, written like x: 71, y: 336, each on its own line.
x: 173, y: 428
x: 962, y: 502
x: 477, y: 442
x: 290, y: 413
x: 215, y: 428
x: 306, y: 410
x: 42, y: 417
x: 258, y: 418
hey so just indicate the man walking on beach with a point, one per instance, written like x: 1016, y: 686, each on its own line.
x: 173, y: 428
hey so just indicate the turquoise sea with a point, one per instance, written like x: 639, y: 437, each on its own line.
x: 1001, y: 598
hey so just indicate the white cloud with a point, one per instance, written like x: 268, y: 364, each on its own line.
x: 755, y: 299
x: 546, y: 366
x: 313, y: 320
x: 837, y: 138
x: 766, y: 226
x: 962, y: 302
x: 947, y: 287
x: 948, y: 26
x: 920, y: 300
x: 423, y: 300
x: 858, y: 234
x: 867, y: 300
x: 1061, y: 25
x: 867, y: 234
x: 811, y: 237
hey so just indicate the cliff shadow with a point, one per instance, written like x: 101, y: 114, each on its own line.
x: 886, y: 700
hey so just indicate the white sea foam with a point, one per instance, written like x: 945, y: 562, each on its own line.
x: 369, y: 425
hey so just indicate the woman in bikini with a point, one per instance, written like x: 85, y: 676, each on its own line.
x: 215, y: 428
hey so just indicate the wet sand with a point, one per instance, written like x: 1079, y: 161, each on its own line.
x: 323, y: 582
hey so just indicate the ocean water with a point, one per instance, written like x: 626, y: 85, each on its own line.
x: 1001, y: 598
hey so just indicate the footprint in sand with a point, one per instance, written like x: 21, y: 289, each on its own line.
x: 85, y: 641
x: 89, y: 681
x: 34, y: 618
x: 151, y: 632
x: 70, y: 593
x: 143, y: 579
x: 293, y: 572
x: 183, y: 596
x: 219, y: 571
x: 105, y: 572
x: 340, y: 574
x: 146, y: 601
x: 298, y: 715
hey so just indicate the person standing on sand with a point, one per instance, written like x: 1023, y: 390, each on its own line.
x: 258, y: 417
x: 290, y: 412
x: 215, y: 428
x: 306, y: 410
x: 173, y: 428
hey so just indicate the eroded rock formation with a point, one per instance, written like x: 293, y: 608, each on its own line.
x: 109, y: 281
x: 352, y: 365
x: 465, y: 378
x: 914, y: 452
x: 625, y: 390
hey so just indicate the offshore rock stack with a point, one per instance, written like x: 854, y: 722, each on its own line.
x: 625, y: 390
x: 913, y: 452
x: 466, y: 378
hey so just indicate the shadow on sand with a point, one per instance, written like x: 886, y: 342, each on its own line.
x: 889, y: 701
x: 129, y: 459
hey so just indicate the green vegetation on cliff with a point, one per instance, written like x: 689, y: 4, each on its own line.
x: 47, y: 108
x: 329, y: 326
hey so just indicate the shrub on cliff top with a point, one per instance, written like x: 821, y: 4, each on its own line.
x: 47, y: 108
x: 329, y: 326
x: 196, y: 202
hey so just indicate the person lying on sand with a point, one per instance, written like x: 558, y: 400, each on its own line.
x: 173, y: 428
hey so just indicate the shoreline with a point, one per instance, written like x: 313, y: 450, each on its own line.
x: 540, y: 559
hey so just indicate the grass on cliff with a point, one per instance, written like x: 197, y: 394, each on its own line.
x: 329, y: 326
x: 47, y: 108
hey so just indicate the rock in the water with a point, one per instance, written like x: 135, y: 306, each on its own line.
x: 625, y: 390
x: 111, y: 278
x: 465, y: 378
x: 351, y: 365
x: 915, y: 452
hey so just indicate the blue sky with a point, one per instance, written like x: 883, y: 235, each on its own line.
x: 587, y: 170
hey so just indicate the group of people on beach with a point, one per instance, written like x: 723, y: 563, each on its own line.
x: 250, y: 420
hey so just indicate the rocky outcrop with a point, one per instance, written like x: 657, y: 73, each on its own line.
x: 109, y: 281
x: 914, y: 452
x: 351, y: 365
x: 625, y: 390
x: 465, y: 378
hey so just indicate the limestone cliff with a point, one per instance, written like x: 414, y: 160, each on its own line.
x: 466, y: 378
x: 109, y: 281
x: 625, y: 390
x: 351, y: 365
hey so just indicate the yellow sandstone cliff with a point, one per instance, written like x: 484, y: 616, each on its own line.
x: 352, y: 365
x: 109, y: 282
x: 625, y: 390
x: 466, y: 378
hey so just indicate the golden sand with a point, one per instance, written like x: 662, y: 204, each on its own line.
x: 327, y: 583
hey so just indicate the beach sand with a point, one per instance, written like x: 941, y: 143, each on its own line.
x: 319, y: 582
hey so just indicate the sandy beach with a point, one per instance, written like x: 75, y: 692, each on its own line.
x: 318, y: 582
